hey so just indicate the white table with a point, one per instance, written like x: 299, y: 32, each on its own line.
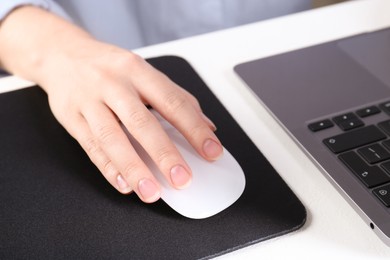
x: 333, y: 229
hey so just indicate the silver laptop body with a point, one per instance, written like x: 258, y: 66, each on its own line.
x: 334, y: 101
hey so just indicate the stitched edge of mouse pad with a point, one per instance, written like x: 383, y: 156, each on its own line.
x: 54, y: 203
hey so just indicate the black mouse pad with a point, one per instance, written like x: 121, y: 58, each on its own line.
x: 54, y: 204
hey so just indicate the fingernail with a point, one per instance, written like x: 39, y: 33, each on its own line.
x: 212, y: 149
x: 148, y: 190
x: 209, y: 122
x: 122, y: 184
x: 180, y: 177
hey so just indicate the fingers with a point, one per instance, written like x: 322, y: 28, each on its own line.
x: 182, y: 110
x: 112, y: 147
x: 194, y: 102
x: 79, y: 129
x: 116, y: 145
x: 145, y: 128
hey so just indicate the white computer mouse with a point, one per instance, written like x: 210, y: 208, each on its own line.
x: 214, y: 187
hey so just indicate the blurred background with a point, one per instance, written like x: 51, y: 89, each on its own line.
x: 319, y: 3
x: 315, y: 4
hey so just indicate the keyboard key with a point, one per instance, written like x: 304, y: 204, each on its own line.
x: 386, y: 144
x: 371, y: 176
x: 368, y: 111
x: 383, y: 193
x: 354, y: 139
x: 343, y: 118
x: 385, y: 107
x: 386, y: 166
x: 385, y: 126
x: 374, y: 153
x: 320, y: 125
x: 351, y: 124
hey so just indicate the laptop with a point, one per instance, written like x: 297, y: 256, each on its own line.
x: 333, y: 100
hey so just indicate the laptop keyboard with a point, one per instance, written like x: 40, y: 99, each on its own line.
x: 363, y: 149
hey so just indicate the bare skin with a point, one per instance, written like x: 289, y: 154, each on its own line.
x: 93, y: 87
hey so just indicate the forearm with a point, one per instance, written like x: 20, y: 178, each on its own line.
x: 30, y: 37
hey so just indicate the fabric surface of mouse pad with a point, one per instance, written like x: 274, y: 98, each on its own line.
x: 54, y: 203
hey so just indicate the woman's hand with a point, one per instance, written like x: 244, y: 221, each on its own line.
x: 93, y: 87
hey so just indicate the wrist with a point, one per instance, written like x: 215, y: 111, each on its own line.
x: 31, y: 38
x: 56, y: 59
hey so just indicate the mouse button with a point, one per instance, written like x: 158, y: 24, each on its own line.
x: 220, y: 178
x: 230, y: 169
x: 215, y: 186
